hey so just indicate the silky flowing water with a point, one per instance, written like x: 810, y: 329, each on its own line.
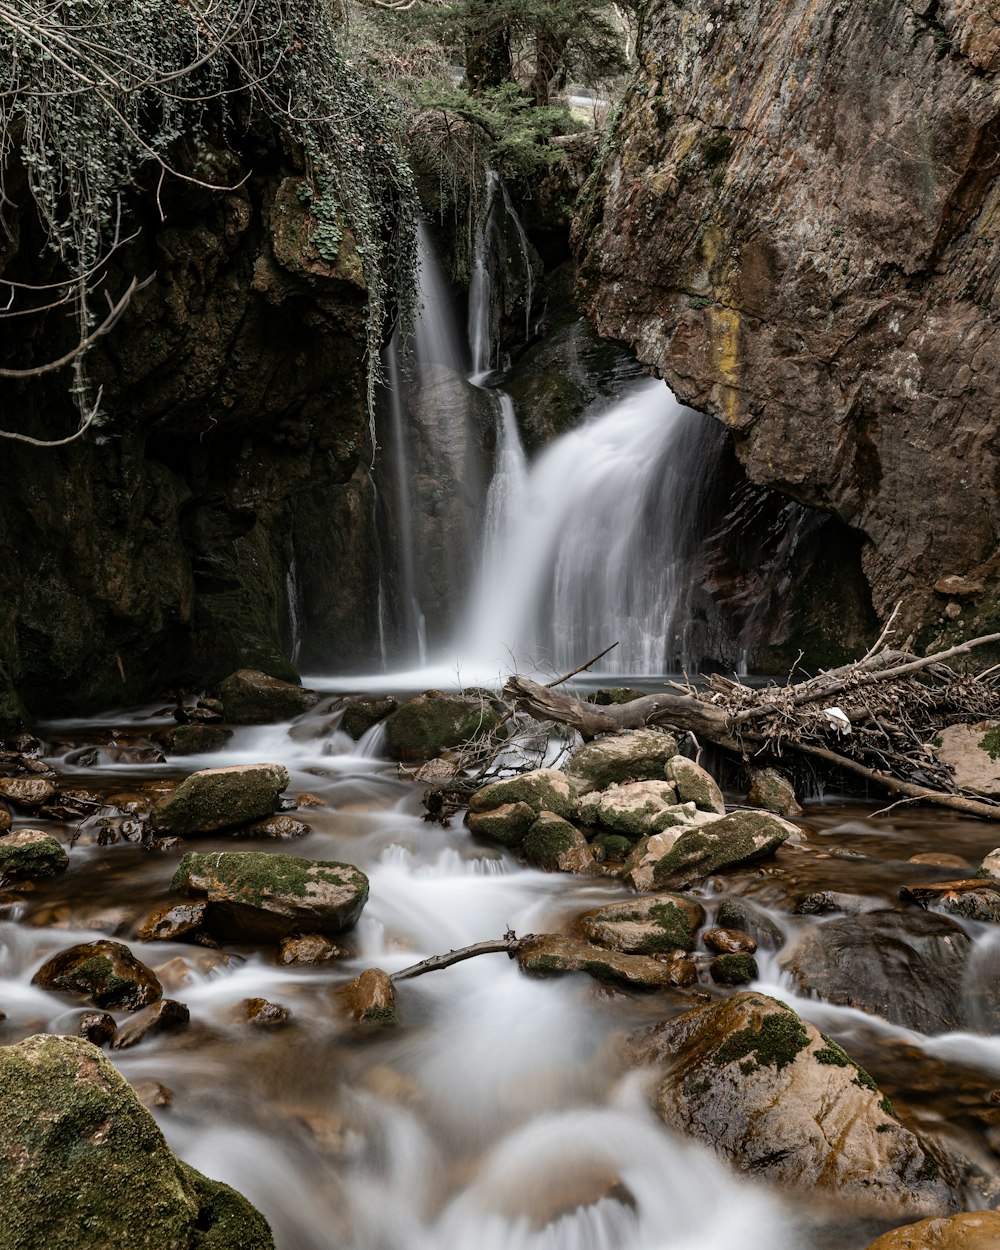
x: 497, y: 1114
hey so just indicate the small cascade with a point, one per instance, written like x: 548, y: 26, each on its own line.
x: 435, y: 333
x: 412, y: 625
x: 482, y: 309
x: 529, y: 277
x: 598, y: 544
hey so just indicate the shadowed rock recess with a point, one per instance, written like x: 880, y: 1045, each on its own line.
x: 796, y: 224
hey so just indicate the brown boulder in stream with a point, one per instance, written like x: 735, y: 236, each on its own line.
x: 779, y: 1100
x: 250, y: 697
x: 971, y: 1230
x: 106, y: 972
x: 86, y: 1167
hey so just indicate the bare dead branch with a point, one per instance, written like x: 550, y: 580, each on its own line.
x: 510, y: 944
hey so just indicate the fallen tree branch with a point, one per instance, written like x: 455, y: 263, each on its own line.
x: 510, y: 944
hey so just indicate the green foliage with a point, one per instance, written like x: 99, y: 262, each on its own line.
x: 96, y: 94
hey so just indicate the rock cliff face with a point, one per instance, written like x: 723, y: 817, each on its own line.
x: 797, y: 224
x: 221, y: 492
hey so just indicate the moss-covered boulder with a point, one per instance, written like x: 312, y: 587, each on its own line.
x: 250, y: 697
x: 779, y: 1100
x: 432, y: 722
x: 105, y: 972
x: 255, y: 896
x: 195, y: 739
x: 642, y: 755
x: 361, y: 714
x: 636, y: 809
x: 550, y: 954
x: 221, y: 798
x: 28, y: 853
x: 653, y: 925
x: 612, y: 847
x: 506, y: 824
x: 370, y: 998
x: 543, y: 789
x: 749, y: 917
x: 86, y: 1167
x: 772, y: 791
x: 557, y: 846
x: 739, y: 838
x: 970, y: 1230
x: 696, y: 785
x: 734, y: 969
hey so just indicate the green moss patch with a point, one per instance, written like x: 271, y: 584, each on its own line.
x: 774, y: 1042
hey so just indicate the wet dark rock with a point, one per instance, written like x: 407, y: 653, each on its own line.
x: 554, y: 844
x: 106, y: 972
x: 432, y: 722
x: 308, y: 949
x: 5, y: 819
x: 507, y: 824
x: 254, y: 895
x: 279, y: 828
x: 263, y: 1014
x: 195, y: 739
x: 607, y: 696
x: 26, y: 792
x: 904, y: 966
x: 165, y: 844
x: 729, y: 942
x: 781, y: 1101
x: 371, y: 998
x: 86, y: 1166
x: 549, y: 954
x: 976, y: 899
x: 360, y: 715
x: 250, y: 697
x: 733, y: 840
x: 642, y: 755
x: 31, y: 853
x: 653, y: 925
x: 96, y: 1026
x: 772, y: 791
x: 70, y: 805
x: 161, y: 1017
x: 733, y: 969
x: 221, y: 798
x: 970, y: 1230
x: 823, y: 902
x: 153, y: 1095
x: 175, y: 922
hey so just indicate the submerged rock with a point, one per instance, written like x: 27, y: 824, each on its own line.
x: 549, y: 954
x: 106, y: 972
x: 739, y: 838
x: 250, y: 697
x: 653, y: 925
x: 427, y: 725
x: 28, y: 853
x: 221, y: 798
x: 907, y: 967
x: 642, y: 755
x: 779, y: 1100
x: 86, y: 1167
x: 161, y: 1017
x: 970, y: 1230
x: 252, y: 895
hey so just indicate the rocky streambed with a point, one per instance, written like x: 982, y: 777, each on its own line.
x: 712, y: 1023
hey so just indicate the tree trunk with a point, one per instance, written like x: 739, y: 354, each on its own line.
x: 487, y: 50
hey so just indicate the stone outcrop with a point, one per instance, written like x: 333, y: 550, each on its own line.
x: 805, y: 247
x: 781, y: 1101
x: 86, y: 1167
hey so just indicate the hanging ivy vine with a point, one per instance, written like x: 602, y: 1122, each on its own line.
x: 95, y: 92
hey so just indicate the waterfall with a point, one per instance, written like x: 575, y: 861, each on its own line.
x: 489, y: 288
x: 596, y: 545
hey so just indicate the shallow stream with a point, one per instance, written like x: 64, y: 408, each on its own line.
x: 497, y: 1115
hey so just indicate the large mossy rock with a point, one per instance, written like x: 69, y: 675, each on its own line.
x: 362, y: 714
x: 550, y: 954
x: 642, y: 755
x: 557, y: 846
x: 647, y: 926
x: 696, y: 785
x: 739, y: 838
x: 905, y: 966
x: 29, y: 853
x: 221, y: 798
x: 85, y: 1166
x: 637, y: 809
x: 254, y: 896
x: 779, y: 1100
x: 106, y: 972
x: 543, y: 789
x: 432, y: 722
x: 971, y: 1230
x: 250, y: 697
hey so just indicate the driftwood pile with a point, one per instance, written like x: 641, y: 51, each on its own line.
x: 875, y: 719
